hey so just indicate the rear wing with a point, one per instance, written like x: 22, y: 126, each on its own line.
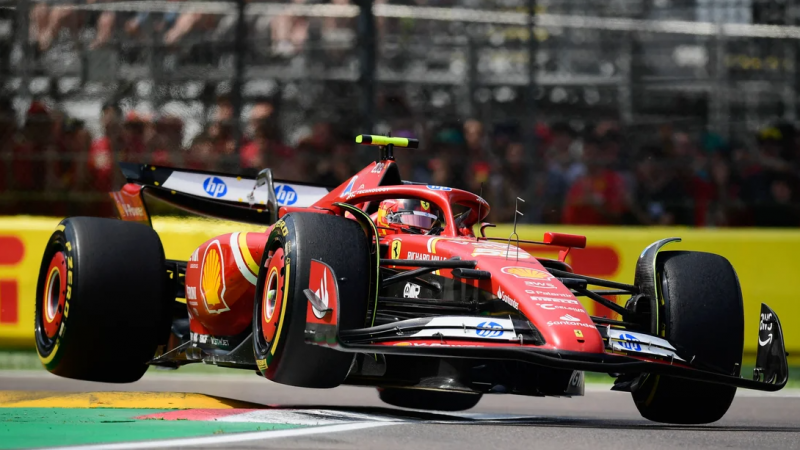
x: 225, y: 196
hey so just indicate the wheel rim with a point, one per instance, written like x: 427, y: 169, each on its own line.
x: 54, y: 296
x: 273, y: 296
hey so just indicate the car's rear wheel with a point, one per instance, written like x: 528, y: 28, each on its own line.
x: 102, y: 304
x: 703, y: 316
x: 281, y: 309
x: 428, y: 399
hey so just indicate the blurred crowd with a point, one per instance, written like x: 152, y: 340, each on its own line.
x: 286, y: 33
x: 587, y: 174
x: 599, y: 175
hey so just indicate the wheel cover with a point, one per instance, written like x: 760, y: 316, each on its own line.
x: 273, y: 297
x: 54, y: 296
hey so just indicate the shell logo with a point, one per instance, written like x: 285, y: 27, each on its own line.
x: 527, y: 272
x: 212, y: 281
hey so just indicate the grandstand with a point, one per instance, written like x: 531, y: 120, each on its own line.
x: 236, y: 85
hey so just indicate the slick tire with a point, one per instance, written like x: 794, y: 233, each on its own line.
x: 102, y: 300
x: 703, y: 316
x: 428, y: 400
x: 281, y: 307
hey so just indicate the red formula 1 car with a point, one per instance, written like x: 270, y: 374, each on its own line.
x: 382, y: 282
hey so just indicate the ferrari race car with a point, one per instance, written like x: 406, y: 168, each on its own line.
x: 383, y: 282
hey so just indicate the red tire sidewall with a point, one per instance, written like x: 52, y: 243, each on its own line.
x: 271, y: 315
x: 55, y: 283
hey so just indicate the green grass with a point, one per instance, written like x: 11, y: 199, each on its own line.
x: 27, y: 360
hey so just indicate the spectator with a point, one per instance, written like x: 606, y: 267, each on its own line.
x: 289, y: 33
x: 222, y: 133
x: 105, y: 149
x: 167, y: 142
x: 48, y: 22
x: 134, y: 138
x: 598, y: 197
x: 512, y: 180
x: 8, y: 135
x: 35, y: 144
x: 780, y: 209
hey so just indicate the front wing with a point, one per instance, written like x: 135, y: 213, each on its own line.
x: 469, y: 337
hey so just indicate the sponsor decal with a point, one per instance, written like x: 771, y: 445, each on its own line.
x: 551, y: 307
x: 129, y: 206
x: 489, y: 329
x: 285, y: 194
x: 578, y: 333
x: 438, y: 188
x: 513, y: 252
x: 540, y: 285
x: 650, y: 341
x: 206, y: 339
x: 569, y: 318
x: 499, y: 250
x: 570, y: 323
x: 191, y: 292
x: 349, y: 187
x: 212, y: 279
x: 215, y: 187
x: 323, y: 285
x: 411, y: 291
x: 553, y: 300
x: 378, y: 168
x: 549, y: 294
x: 630, y: 342
x: 502, y: 296
x: 432, y: 344
x: 281, y: 225
x: 424, y: 257
x: 366, y: 192
x: 425, y: 205
x: 133, y: 212
x: 765, y: 325
x: 527, y: 272
x: 195, y: 255
x: 396, y: 246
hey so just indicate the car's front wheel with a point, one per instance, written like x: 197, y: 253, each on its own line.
x: 702, y: 315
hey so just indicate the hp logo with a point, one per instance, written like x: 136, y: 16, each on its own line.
x: 438, y: 188
x: 630, y: 343
x: 215, y: 187
x: 285, y: 194
x: 489, y: 329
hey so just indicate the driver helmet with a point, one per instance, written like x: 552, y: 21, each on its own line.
x: 407, y: 216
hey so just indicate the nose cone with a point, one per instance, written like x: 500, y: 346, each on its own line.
x: 548, y: 304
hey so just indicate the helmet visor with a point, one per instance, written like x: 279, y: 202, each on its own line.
x: 418, y: 219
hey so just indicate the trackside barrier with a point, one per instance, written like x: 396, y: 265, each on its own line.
x: 764, y: 261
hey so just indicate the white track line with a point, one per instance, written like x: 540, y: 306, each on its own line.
x: 226, y: 439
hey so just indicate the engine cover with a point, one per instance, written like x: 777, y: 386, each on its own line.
x: 221, y: 281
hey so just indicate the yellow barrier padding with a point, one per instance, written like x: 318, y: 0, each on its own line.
x: 179, y: 236
x: 132, y: 400
x: 764, y: 259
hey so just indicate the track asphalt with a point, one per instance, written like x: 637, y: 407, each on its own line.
x: 247, y: 412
